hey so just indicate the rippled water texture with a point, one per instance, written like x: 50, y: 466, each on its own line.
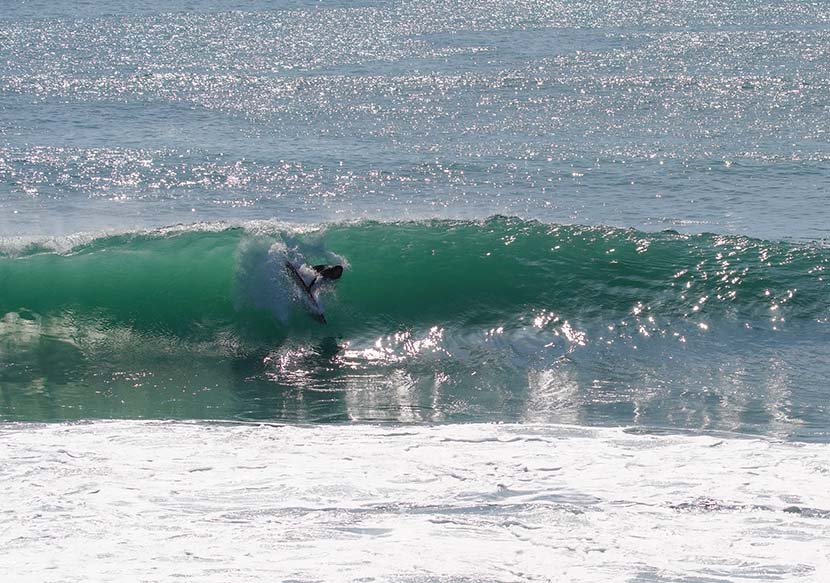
x: 697, y: 116
x: 399, y: 138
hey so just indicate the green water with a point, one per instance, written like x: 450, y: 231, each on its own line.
x: 468, y: 317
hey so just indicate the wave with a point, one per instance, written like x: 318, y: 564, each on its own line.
x: 499, y: 319
x: 499, y: 271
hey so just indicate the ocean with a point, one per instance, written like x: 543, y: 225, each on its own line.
x: 583, y: 332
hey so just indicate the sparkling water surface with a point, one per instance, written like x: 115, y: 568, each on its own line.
x: 657, y: 173
x: 686, y: 115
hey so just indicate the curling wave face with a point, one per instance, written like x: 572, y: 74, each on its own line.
x: 434, y: 320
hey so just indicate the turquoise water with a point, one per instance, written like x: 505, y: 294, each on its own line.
x: 572, y: 212
x: 501, y: 319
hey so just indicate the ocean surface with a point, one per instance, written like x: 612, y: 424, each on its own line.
x: 583, y: 333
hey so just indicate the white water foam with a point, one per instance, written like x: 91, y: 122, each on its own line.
x: 156, y: 501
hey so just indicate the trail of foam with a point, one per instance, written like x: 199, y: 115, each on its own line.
x: 120, y: 501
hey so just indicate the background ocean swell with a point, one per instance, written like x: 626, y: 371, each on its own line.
x: 500, y: 319
x: 680, y: 115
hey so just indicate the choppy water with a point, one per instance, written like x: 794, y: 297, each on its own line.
x: 583, y: 213
x: 688, y: 115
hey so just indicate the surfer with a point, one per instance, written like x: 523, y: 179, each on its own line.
x: 311, y: 279
x: 324, y: 273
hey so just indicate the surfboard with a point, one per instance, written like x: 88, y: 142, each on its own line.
x: 313, y: 305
